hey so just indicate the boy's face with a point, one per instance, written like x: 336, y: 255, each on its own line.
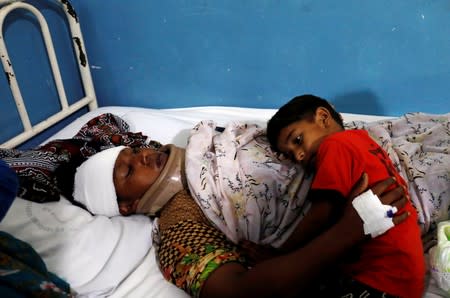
x: 300, y: 140
x: 135, y: 170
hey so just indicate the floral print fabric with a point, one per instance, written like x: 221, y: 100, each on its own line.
x: 242, y: 186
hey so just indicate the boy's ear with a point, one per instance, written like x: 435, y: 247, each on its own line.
x: 323, y: 116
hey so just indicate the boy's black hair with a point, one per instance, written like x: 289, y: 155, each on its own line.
x: 301, y: 107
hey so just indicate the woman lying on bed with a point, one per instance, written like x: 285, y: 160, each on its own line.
x: 195, y: 255
x: 168, y: 216
x: 151, y: 182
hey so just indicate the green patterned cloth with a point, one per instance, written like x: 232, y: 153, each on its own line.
x: 24, y: 274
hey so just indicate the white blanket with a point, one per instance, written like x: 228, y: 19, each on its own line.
x: 92, y: 253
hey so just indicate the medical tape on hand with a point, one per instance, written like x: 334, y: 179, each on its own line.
x: 377, y: 217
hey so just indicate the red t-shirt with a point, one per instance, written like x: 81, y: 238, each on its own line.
x: 393, y: 262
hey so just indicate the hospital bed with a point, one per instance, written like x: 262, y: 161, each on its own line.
x: 102, y: 256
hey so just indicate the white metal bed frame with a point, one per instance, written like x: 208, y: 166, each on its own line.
x: 90, y: 100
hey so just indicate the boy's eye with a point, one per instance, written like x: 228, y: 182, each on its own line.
x: 298, y: 140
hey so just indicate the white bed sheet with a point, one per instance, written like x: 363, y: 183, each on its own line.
x: 140, y: 278
x: 173, y: 125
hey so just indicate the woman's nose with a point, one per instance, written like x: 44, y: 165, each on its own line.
x: 141, y: 156
x: 148, y: 157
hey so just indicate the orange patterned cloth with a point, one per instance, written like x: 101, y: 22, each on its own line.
x: 189, y: 249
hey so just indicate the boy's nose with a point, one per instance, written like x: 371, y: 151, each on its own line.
x: 299, y: 155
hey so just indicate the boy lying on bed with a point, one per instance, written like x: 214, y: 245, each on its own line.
x: 309, y: 131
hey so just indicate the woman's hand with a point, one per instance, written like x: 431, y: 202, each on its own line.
x: 256, y: 253
x: 350, y: 220
x: 351, y: 223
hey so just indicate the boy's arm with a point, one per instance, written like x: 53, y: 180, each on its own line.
x: 326, y: 206
x: 333, y: 179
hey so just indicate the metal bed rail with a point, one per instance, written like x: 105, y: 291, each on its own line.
x: 89, y: 99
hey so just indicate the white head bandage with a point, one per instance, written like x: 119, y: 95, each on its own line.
x: 377, y: 217
x: 94, y: 184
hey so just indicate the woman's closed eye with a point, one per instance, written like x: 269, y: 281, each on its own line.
x: 129, y: 171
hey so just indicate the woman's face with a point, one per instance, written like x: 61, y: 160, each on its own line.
x: 135, y: 170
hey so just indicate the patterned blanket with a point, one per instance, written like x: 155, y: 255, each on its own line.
x: 419, y: 146
x: 248, y: 193
x: 242, y: 186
